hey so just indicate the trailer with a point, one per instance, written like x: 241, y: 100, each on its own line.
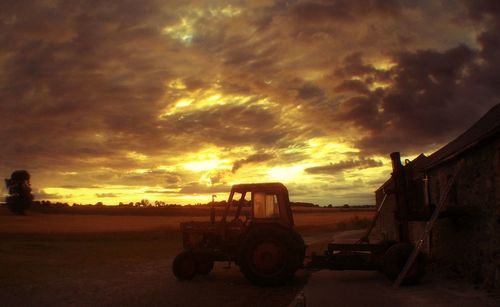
x: 400, y: 260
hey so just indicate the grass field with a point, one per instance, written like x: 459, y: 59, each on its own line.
x: 82, y: 260
x: 310, y: 220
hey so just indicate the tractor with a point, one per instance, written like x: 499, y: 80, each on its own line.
x: 256, y: 231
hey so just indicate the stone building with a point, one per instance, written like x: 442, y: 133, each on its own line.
x: 466, y: 237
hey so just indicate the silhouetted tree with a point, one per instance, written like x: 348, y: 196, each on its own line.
x: 19, y: 187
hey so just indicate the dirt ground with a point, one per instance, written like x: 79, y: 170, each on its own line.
x: 85, y: 260
x: 107, y: 260
x: 368, y: 288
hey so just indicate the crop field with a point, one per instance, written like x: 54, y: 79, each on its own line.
x: 82, y: 260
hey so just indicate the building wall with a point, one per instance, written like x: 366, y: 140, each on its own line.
x: 467, y: 242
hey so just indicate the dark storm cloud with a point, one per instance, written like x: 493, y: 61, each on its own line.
x: 255, y: 158
x: 479, y: 9
x: 69, y: 73
x: 228, y: 125
x: 308, y: 91
x: 433, y: 98
x: 344, y: 10
x: 355, y: 86
x: 334, y: 168
x: 353, y: 65
x: 488, y: 74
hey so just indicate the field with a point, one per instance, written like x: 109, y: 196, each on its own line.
x: 85, y: 259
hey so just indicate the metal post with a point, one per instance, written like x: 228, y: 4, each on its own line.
x: 399, y: 178
x: 212, y: 210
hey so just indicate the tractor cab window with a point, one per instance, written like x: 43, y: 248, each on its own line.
x: 240, y: 206
x: 237, y: 197
x: 265, y: 205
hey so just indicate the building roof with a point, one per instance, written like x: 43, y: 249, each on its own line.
x: 486, y: 127
x: 418, y: 164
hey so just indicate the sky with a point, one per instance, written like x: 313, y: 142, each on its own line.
x: 118, y: 101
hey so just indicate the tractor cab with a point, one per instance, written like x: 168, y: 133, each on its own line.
x: 258, y: 203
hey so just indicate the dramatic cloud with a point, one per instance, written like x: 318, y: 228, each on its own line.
x: 177, y: 100
x: 334, y: 168
x: 255, y: 158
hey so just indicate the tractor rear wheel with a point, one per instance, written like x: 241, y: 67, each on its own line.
x: 184, y: 266
x: 270, y: 255
x: 395, y: 259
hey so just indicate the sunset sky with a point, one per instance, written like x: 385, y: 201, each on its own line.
x: 118, y: 101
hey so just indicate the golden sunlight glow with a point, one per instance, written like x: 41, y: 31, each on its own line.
x: 177, y: 84
x: 326, y: 150
x: 136, y: 156
x: 286, y: 173
x: 228, y: 11
x: 183, y: 103
x: 376, y: 85
x: 205, y: 99
x: 198, y: 166
x: 383, y: 64
x: 139, y: 171
x: 68, y: 173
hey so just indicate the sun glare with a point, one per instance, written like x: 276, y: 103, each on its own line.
x: 286, y: 173
x: 199, y: 166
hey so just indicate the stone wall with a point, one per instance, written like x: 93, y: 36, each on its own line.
x: 466, y: 240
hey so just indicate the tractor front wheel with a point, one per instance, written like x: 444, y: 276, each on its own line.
x: 184, y: 266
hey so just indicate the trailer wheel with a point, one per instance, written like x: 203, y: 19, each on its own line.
x: 270, y: 255
x: 204, y: 263
x: 184, y: 266
x: 395, y: 259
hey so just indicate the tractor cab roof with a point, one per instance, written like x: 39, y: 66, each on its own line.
x: 275, y: 187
